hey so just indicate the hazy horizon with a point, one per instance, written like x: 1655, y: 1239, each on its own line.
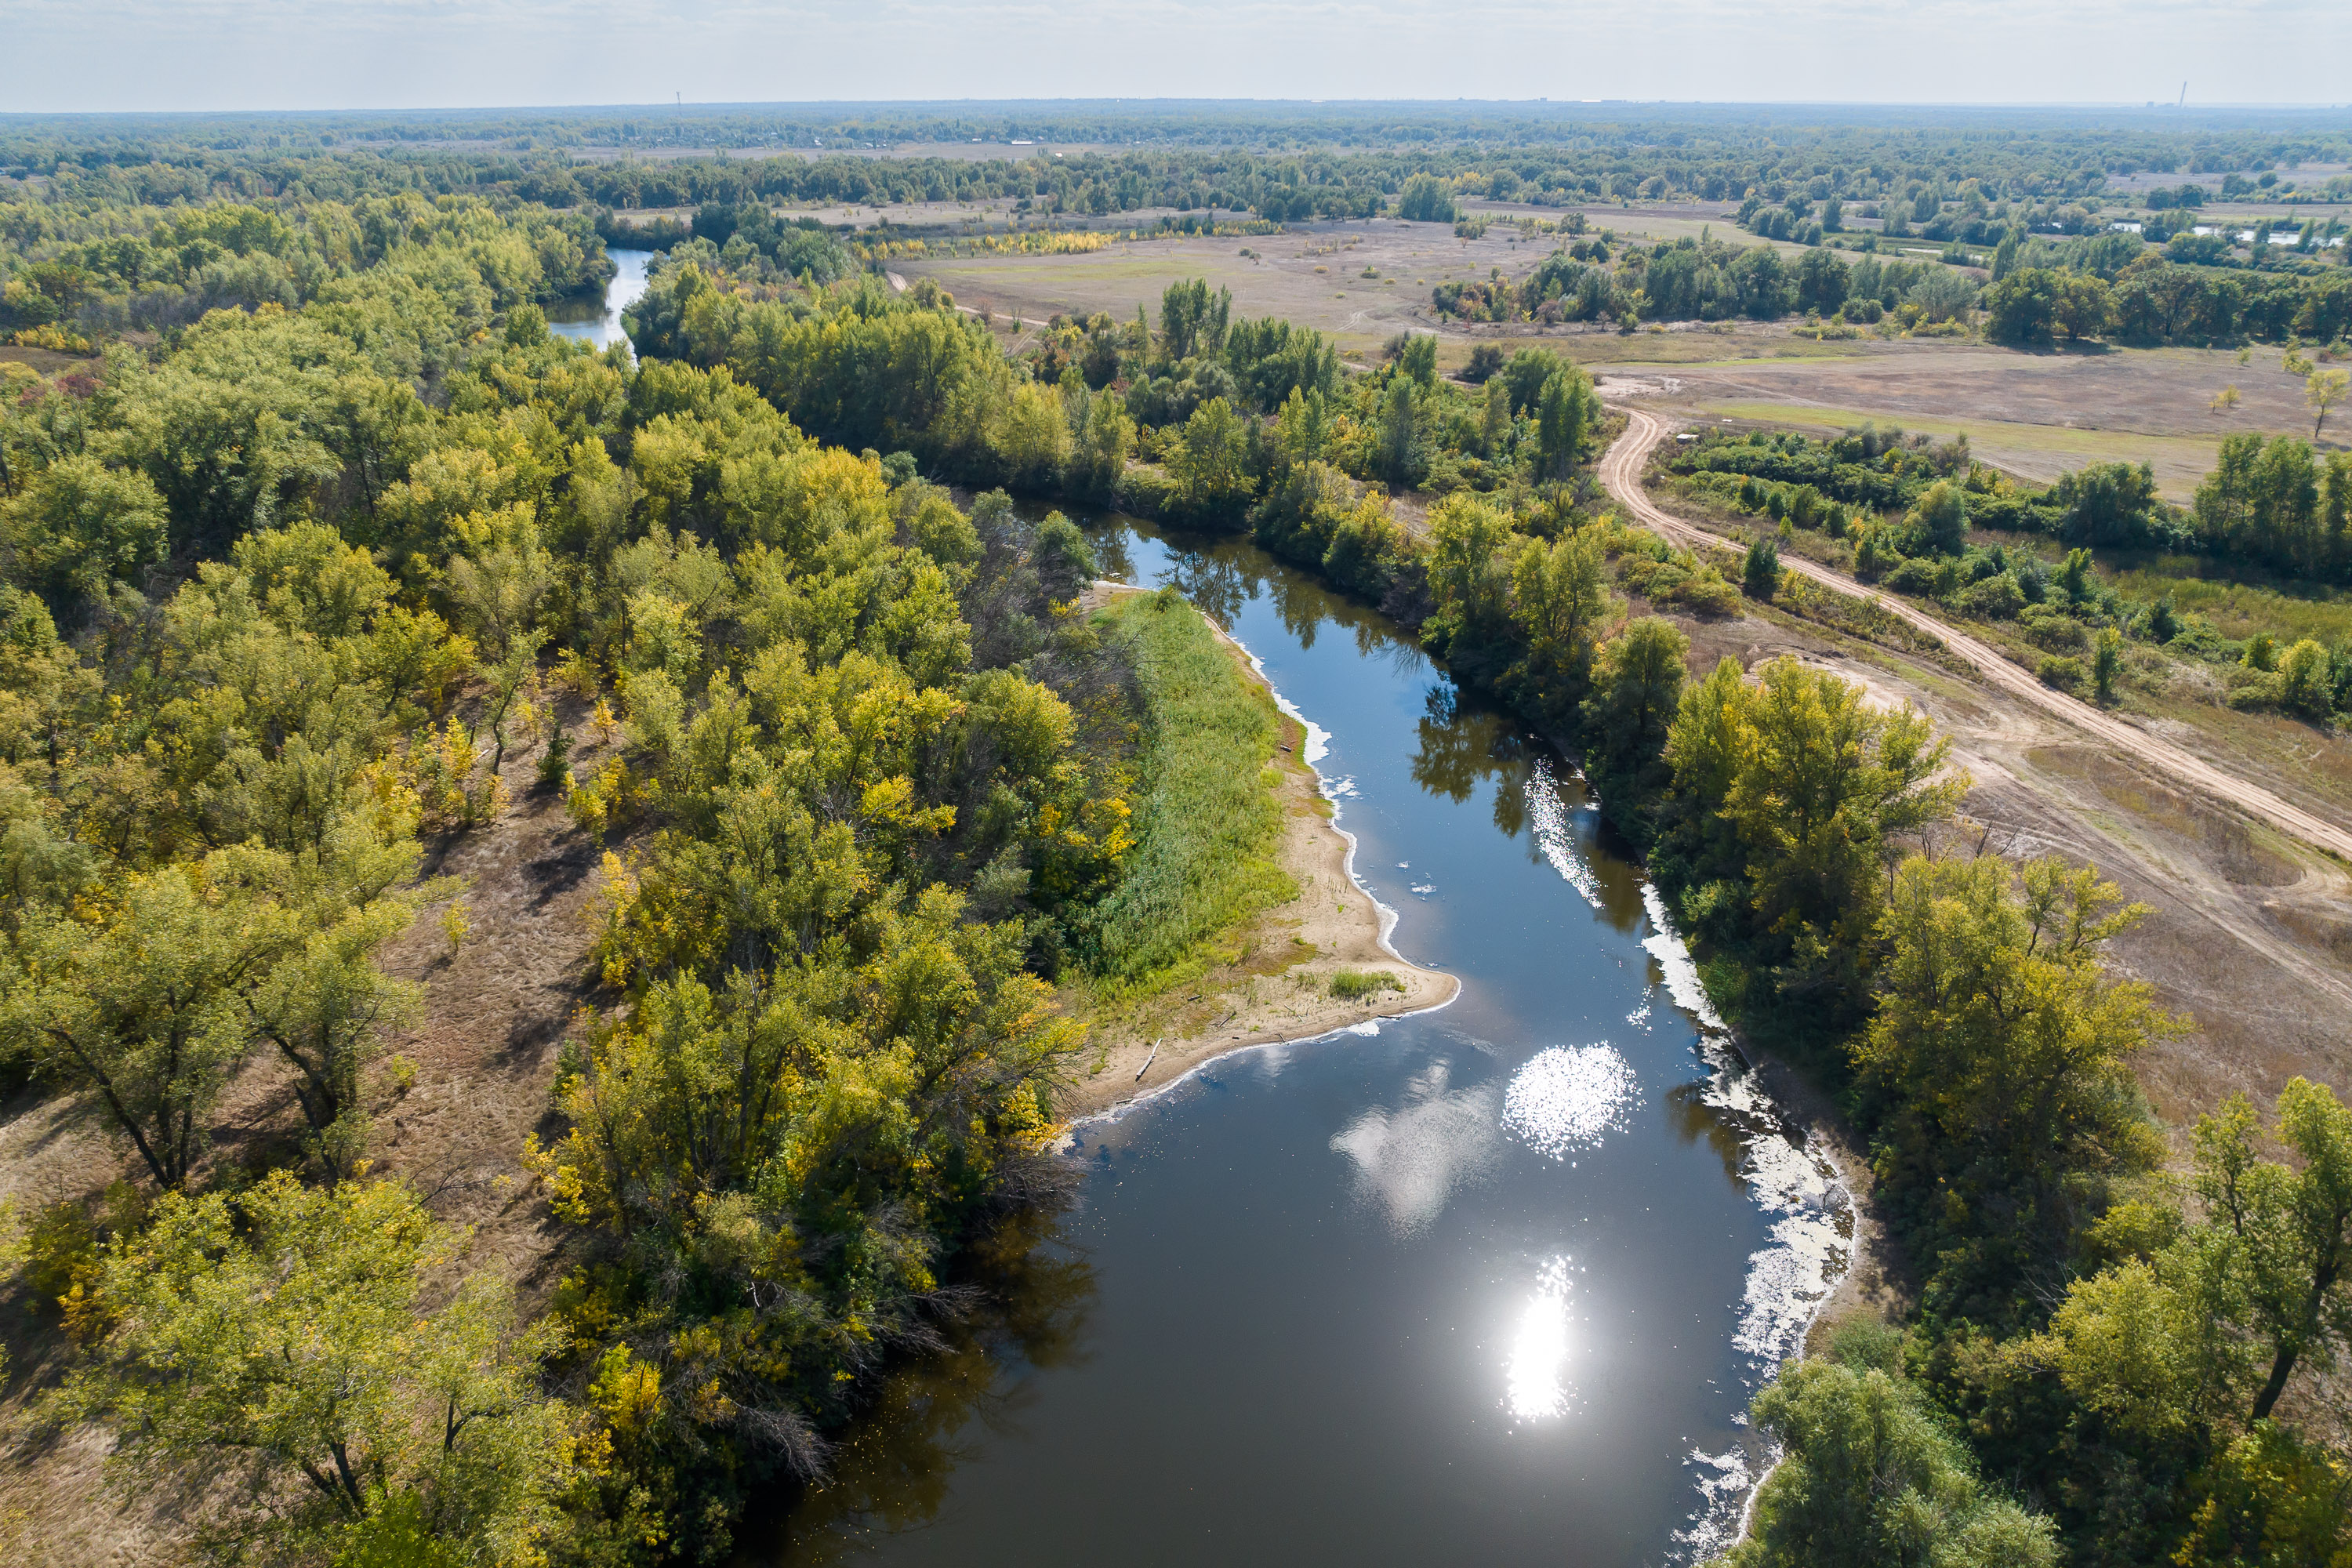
x: 385, y: 56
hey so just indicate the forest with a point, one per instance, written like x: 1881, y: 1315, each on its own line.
x: 320, y: 523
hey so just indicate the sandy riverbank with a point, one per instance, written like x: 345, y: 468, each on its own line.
x: 1279, y: 986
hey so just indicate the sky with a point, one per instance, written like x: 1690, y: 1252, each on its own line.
x: 170, y: 54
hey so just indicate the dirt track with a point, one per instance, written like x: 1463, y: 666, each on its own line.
x: 1620, y: 471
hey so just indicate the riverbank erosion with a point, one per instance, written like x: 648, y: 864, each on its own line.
x: 1304, y: 950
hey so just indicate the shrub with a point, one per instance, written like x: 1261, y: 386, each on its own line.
x: 2062, y: 672
x: 2256, y: 690
x: 1706, y: 593
x: 1915, y: 574
x: 2052, y: 630
x: 1997, y: 598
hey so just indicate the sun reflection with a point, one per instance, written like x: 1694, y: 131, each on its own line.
x: 1536, y: 1381
x: 1566, y: 1097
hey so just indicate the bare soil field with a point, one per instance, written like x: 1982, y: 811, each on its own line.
x: 1315, y: 275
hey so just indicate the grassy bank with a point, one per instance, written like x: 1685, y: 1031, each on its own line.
x: 1210, y: 824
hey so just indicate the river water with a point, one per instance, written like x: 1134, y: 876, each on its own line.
x: 1491, y: 1283
x: 599, y: 323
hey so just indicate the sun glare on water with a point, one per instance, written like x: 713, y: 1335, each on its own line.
x: 1566, y: 1098
x: 1536, y: 1385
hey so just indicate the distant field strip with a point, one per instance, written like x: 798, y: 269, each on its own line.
x: 2179, y: 460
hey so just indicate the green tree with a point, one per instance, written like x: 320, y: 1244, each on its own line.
x: 1400, y: 443
x: 1495, y: 419
x: 1566, y: 413
x: 287, y: 1328
x: 1759, y: 573
x: 1560, y: 601
x: 2322, y: 390
x: 2289, y: 1228
x: 2272, y: 1499
x: 1939, y: 519
x: 1100, y: 460
x: 2081, y: 306
x: 1785, y: 801
x: 1470, y: 574
x: 2004, y: 255
x: 2023, y: 308
x: 1870, y: 1480
x: 80, y: 527
x: 1636, y: 692
x: 1192, y: 321
x: 1210, y: 462
x: 1416, y: 357
x: 326, y: 1009
x: 1822, y: 281
x: 2107, y: 659
x: 1425, y: 198
x: 140, y: 999
x: 1999, y: 1049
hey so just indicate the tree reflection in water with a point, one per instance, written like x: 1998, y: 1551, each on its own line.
x: 892, y: 1469
x: 1462, y: 746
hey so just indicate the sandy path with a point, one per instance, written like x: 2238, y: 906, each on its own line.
x: 899, y: 284
x: 1620, y: 471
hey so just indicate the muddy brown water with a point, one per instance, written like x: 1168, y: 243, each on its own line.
x: 1491, y: 1283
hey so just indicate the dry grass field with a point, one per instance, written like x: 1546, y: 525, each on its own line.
x: 2035, y: 414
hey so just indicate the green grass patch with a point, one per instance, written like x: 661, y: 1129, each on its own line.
x: 2238, y: 607
x: 1208, y: 815
x: 1355, y: 985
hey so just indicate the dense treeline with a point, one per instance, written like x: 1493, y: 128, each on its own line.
x: 281, y: 599
x: 1194, y: 416
x: 1682, y: 144
x: 2114, y: 1344
x: 2110, y: 287
x: 432, y: 272
x: 1286, y: 163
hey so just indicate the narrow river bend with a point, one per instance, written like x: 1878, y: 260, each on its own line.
x: 598, y: 321
x: 1491, y: 1283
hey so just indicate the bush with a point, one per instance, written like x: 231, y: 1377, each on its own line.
x: 1997, y: 598
x: 1146, y: 492
x: 2052, y: 630
x: 1915, y: 574
x: 2256, y: 690
x: 2063, y: 673
x: 1355, y: 985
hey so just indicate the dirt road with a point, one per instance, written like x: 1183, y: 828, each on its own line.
x: 1620, y: 471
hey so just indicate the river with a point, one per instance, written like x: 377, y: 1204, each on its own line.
x: 1491, y: 1283
x: 599, y: 323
